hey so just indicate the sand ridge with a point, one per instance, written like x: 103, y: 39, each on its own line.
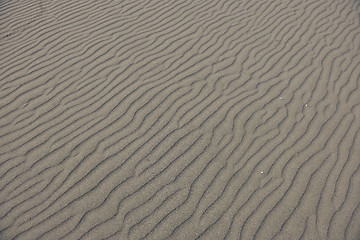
x: 180, y: 119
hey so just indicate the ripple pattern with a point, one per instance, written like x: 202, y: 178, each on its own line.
x: 180, y: 119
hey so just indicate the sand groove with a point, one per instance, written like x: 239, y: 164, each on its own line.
x: 180, y: 119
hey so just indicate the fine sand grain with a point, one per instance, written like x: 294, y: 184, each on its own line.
x: 180, y: 119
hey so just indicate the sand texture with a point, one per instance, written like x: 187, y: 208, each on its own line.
x: 186, y: 119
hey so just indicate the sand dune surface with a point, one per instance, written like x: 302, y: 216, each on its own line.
x: 186, y: 119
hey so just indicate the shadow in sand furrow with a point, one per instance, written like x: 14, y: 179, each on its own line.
x: 179, y: 120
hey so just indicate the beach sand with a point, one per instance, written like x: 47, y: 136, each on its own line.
x: 180, y: 119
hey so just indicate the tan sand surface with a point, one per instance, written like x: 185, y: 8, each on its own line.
x: 186, y: 119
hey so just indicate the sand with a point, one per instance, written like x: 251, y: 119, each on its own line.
x: 219, y: 119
